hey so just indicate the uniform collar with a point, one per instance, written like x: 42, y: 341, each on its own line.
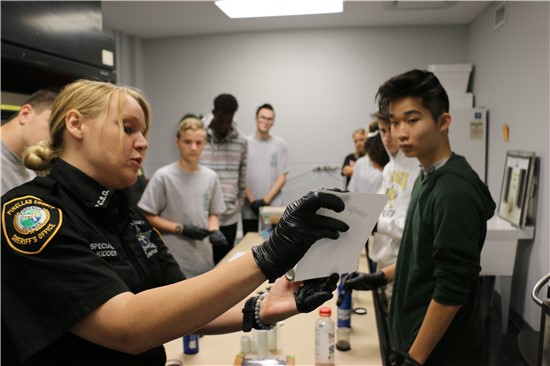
x: 88, y: 190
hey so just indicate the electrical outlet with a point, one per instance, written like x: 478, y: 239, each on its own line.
x: 325, y: 168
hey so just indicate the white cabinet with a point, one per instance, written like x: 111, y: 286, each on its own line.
x: 498, y: 257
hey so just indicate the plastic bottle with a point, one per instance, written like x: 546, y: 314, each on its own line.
x: 324, y: 338
x: 191, y: 344
x: 344, y: 310
x: 266, y: 226
x: 344, y: 320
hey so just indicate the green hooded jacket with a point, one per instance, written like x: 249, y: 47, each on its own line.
x: 439, y: 259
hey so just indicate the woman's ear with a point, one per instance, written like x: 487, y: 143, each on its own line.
x: 444, y: 122
x: 74, y: 123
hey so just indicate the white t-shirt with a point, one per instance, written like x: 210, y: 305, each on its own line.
x: 187, y: 198
x: 267, y: 160
x: 14, y: 173
x: 398, y: 180
x: 365, y: 178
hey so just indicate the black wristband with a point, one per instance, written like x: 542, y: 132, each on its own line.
x: 409, y: 361
x: 248, y: 314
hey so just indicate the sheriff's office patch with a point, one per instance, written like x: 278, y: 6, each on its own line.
x: 29, y: 224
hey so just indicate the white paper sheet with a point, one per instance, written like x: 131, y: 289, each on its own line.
x: 328, y: 256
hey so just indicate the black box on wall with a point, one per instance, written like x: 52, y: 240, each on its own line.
x: 51, y: 43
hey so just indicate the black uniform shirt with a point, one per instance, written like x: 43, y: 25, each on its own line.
x: 69, y: 245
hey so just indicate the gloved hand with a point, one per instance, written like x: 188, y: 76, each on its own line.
x: 297, y: 230
x: 365, y: 281
x: 409, y: 361
x: 256, y: 205
x: 217, y: 239
x: 313, y: 293
x: 194, y: 232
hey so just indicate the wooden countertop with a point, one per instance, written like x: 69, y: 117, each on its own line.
x: 296, y: 334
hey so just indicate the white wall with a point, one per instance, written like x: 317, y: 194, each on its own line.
x: 322, y: 84
x: 512, y: 81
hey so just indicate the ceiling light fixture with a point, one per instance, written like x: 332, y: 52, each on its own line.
x: 418, y: 5
x: 273, y: 8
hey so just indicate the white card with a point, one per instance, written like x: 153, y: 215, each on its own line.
x: 328, y: 256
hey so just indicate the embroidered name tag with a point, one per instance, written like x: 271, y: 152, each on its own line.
x: 29, y: 224
x: 104, y: 249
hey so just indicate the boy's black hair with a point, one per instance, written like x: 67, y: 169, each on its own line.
x: 415, y: 83
x: 375, y: 150
x: 265, y: 106
x: 225, y: 103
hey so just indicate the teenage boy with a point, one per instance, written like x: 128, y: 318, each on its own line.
x: 267, y: 167
x: 398, y: 179
x: 226, y: 153
x: 434, y: 314
x: 183, y: 199
x: 25, y: 128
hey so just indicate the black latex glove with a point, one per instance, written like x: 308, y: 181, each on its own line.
x: 217, y: 239
x: 194, y: 232
x: 409, y: 361
x: 314, y: 293
x: 342, y: 294
x: 256, y: 205
x: 297, y: 230
x: 365, y: 281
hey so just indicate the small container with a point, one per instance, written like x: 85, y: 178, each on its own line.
x: 290, y: 360
x: 262, y: 349
x: 343, y: 339
x: 267, y: 227
x: 245, y: 344
x: 344, y: 317
x: 173, y: 362
x: 345, y: 308
x: 191, y: 344
x: 253, y: 341
x: 272, y: 339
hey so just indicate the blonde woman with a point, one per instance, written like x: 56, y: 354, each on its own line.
x: 85, y: 275
x: 359, y: 137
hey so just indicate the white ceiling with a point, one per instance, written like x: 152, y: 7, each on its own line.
x: 158, y: 19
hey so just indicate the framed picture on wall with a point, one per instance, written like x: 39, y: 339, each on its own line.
x: 516, y: 180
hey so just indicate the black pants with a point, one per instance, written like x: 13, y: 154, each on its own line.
x: 230, y: 232
x: 250, y: 225
x: 467, y: 360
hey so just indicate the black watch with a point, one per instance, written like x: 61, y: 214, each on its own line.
x: 248, y: 314
x: 179, y: 229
